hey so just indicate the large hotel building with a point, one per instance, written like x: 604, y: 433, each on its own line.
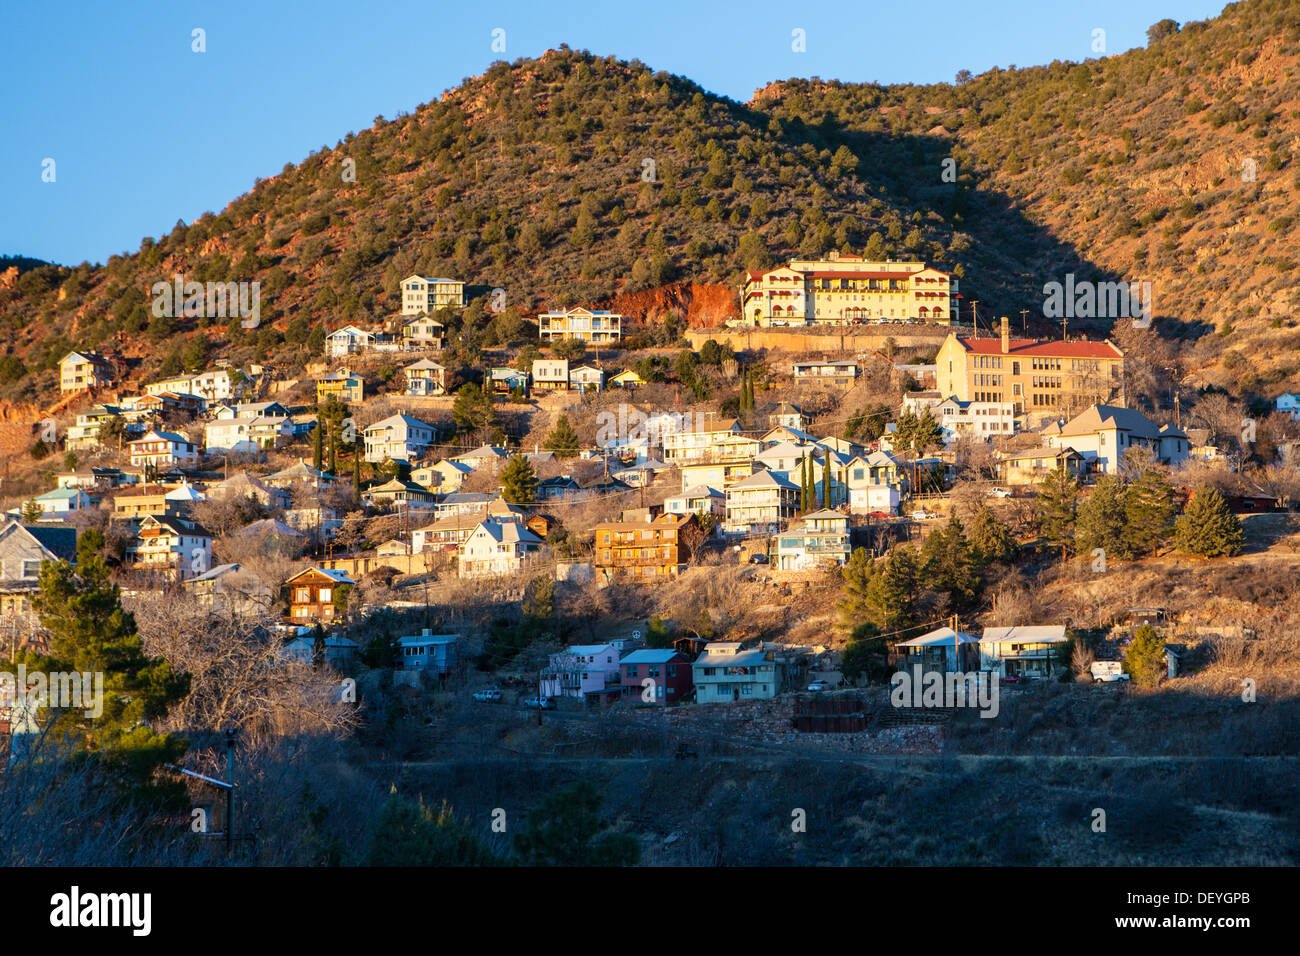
x: 1044, y: 379
x: 841, y: 290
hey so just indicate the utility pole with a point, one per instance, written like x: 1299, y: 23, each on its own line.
x: 1024, y: 321
x: 230, y: 793
x: 975, y: 318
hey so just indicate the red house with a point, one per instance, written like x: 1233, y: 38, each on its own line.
x: 669, y: 671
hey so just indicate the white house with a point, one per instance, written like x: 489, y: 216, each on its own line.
x: 498, y: 548
x: 819, y: 541
x: 162, y: 450
x: 173, y: 546
x: 760, y: 503
x: 398, y: 437
x: 347, y: 341
x: 1289, y: 403
x: 579, y: 669
x: 1025, y: 650
x: 1102, y: 434
x: 247, y: 434
x: 551, y: 374
x: 425, y: 377
x: 63, y: 501
x: 212, y: 386
x: 700, y: 499
x: 586, y: 378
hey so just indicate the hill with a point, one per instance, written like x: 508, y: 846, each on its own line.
x: 573, y: 179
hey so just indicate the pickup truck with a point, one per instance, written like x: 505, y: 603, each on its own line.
x: 1107, y: 672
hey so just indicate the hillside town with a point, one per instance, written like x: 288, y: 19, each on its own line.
x: 312, y: 504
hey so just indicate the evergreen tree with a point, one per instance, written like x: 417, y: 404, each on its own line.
x: 318, y: 445
x: 826, y: 480
x: 1100, y: 519
x: 567, y: 830
x: 356, y: 475
x: 990, y: 538
x: 1144, y: 659
x: 473, y: 409
x: 87, y: 631
x: 947, y: 564
x: 562, y: 440
x: 519, y: 481
x: 1207, y: 527
x: 31, y: 511
x: 927, y: 433
x: 1148, y: 513
x: 410, y: 834
x: 1058, y: 497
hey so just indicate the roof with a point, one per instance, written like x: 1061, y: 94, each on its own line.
x: 212, y: 575
x: 339, y: 577
x: 586, y: 649
x: 483, y: 451
x: 740, y: 659
x: 424, y: 365
x: 763, y: 479
x: 59, y: 541
x: 508, y: 532
x: 392, y: 421
x: 824, y: 514
x: 300, y: 470
x: 942, y: 637
x: 1104, y: 417
x: 1031, y: 347
x: 1024, y: 634
x: 648, y: 656
x: 700, y: 491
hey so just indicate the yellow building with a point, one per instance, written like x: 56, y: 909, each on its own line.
x: 80, y: 371
x: 343, y: 385
x: 590, y: 326
x: 1045, y: 379
x: 843, y: 290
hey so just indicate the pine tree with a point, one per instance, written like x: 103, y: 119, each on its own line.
x: 1058, y: 497
x: 947, y: 564
x: 1100, y: 519
x: 990, y: 538
x: 356, y: 475
x: 519, y: 481
x: 567, y: 830
x: 87, y: 631
x: 563, y: 440
x: 927, y: 432
x: 1207, y: 527
x: 1148, y: 513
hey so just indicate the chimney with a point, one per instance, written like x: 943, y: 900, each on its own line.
x: 1006, y: 337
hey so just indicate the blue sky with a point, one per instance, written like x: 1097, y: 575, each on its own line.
x: 143, y: 131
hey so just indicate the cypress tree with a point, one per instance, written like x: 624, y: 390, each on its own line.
x: 318, y: 446
x: 826, y: 480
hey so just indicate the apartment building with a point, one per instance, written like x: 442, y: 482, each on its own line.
x: 593, y: 327
x: 80, y: 371
x: 421, y: 294
x: 843, y: 290
x: 837, y: 374
x: 1040, y: 379
x: 247, y: 434
x: 761, y: 503
x: 653, y: 550
x: 84, y: 435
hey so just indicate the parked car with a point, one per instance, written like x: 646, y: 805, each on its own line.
x: 999, y: 493
x: 1011, y: 679
x: 920, y: 514
x: 758, y: 559
x: 492, y: 694
x: 539, y: 703
x: 818, y: 685
x: 880, y: 515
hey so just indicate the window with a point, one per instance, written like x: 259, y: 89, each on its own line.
x: 326, y: 594
x: 31, y: 569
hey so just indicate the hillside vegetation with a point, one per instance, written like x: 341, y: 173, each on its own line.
x: 573, y: 179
